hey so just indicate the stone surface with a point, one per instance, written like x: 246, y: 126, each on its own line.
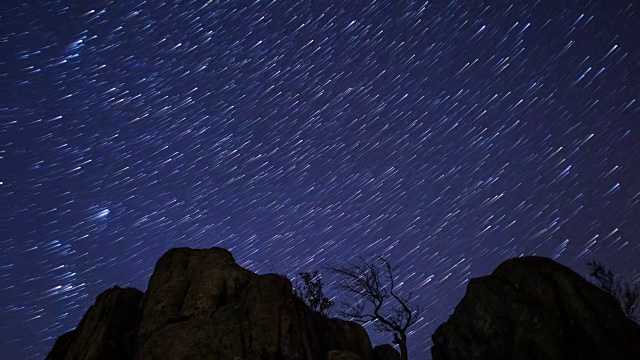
x: 188, y: 286
x: 107, y: 330
x: 201, y: 305
x: 535, y: 308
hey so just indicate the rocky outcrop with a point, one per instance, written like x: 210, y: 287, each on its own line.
x: 201, y: 305
x: 201, y: 302
x: 107, y: 330
x: 534, y: 308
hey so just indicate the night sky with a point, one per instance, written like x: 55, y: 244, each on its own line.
x: 445, y: 135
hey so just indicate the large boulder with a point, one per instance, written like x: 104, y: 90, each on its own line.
x: 107, y: 330
x: 187, y: 286
x: 534, y: 308
x: 200, y: 304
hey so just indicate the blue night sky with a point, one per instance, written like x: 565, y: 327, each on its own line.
x: 445, y: 135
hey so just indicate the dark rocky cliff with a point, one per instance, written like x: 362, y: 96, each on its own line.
x: 201, y: 305
x: 534, y: 308
x: 107, y: 330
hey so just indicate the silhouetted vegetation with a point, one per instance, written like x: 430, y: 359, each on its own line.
x: 376, y: 300
x: 311, y: 292
x: 627, y: 295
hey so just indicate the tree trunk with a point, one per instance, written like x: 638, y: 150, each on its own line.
x: 404, y: 354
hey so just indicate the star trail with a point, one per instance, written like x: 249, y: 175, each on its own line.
x: 445, y: 135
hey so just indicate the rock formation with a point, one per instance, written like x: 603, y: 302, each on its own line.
x: 107, y: 330
x: 534, y: 308
x: 201, y: 305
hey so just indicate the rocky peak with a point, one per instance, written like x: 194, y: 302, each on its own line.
x: 107, y: 330
x: 535, y: 308
x: 201, y: 305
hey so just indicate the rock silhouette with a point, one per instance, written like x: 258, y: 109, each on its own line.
x: 534, y: 308
x: 201, y: 305
x: 107, y: 330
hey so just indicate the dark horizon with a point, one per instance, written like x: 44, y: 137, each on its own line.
x: 447, y: 136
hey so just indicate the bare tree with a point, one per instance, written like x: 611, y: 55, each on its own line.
x: 627, y: 295
x: 312, y: 293
x: 376, y: 300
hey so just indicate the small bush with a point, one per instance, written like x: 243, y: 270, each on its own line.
x: 627, y: 295
x: 311, y: 292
